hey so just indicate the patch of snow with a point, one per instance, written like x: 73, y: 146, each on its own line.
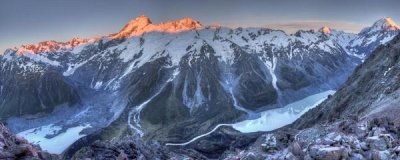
x: 72, y: 67
x: 41, y: 58
x: 135, y: 114
x: 198, y: 137
x: 237, y: 106
x: 386, y: 39
x: 158, y: 45
x: 220, y: 46
x: 330, y: 149
x: 132, y: 48
x: 357, y: 42
x: 98, y: 85
x: 387, y: 71
x: 78, y: 49
x: 229, y: 86
x: 174, y: 74
x: 271, y: 68
x: 198, y: 98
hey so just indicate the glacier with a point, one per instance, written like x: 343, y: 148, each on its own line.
x: 55, y: 144
x: 276, y: 118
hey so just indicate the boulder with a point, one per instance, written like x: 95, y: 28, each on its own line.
x: 381, y: 142
x: 270, y: 143
x: 377, y: 143
x: 295, y: 149
x: 380, y: 155
x: 328, y: 152
x: 356, y: 156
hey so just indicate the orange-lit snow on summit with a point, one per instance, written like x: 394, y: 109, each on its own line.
x: 142, y: 24
x: 391, y: 25
x: 136, y: 27
x: 326, y: 30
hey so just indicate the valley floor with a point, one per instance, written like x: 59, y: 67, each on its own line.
x: 271, y: 119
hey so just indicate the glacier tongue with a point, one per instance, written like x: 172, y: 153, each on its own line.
x: 276, y: 118
x: 55, y: 144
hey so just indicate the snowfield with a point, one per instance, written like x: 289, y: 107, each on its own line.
x: 276, y: 118
x: 57, y: 144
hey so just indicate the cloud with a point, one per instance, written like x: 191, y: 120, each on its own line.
x: 291, y: 27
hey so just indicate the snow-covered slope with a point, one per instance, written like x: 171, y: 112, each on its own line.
x: 382, y: 31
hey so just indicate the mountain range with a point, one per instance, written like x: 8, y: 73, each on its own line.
x: 172, y: 81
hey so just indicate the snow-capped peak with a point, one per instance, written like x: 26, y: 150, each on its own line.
x: 381, y: 32
x: 385, y: 24
x: 142, y: 24
x: 326, y: 30
x: 48, y: 46
x: 140, y: 21
x: 135, y: 27
x: 185, y: 23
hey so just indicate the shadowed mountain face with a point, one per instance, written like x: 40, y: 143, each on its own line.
x: 170, y: 81
x: 359, y: 122
x: 29, y: 92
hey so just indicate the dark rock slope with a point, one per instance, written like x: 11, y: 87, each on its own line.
x: 26, y: 91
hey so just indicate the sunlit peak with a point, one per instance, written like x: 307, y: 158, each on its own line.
x: 325, y: 30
